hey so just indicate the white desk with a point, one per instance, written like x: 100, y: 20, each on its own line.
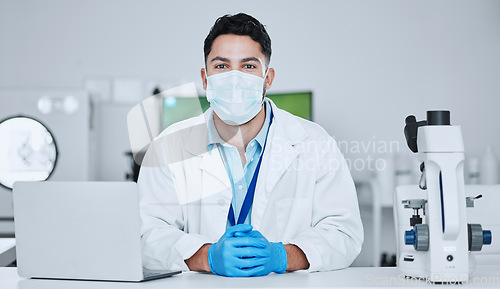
x: 484, y: 277
x: 7, y: 251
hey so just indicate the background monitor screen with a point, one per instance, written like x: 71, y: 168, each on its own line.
x: 175, y: 109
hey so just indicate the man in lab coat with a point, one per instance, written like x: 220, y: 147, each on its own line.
x: 246, y: 189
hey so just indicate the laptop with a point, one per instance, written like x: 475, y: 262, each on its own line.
x: 79, y: 230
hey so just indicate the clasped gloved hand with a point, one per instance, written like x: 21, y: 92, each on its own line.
x: 240, y: 256
x: 277, y: 260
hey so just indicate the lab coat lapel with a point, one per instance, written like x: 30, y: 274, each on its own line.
x: 216, y: 191
x: 214, y: 175
x: 279, y: 154
x: 212, y: 166
x: 215, y: 186
x: 211, y: 162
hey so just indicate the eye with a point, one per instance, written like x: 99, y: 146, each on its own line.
x: 249, y: 66
x: 220, y: 66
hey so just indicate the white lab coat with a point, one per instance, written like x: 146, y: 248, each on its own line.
x: 304, y: 196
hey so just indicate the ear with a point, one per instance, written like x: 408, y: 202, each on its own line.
x: 269, y: 78
x: 204, y: 78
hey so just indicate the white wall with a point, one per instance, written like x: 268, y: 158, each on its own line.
x: 369, y: 63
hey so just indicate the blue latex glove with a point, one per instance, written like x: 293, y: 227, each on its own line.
x: 238, y: 256
x: 277, y: 261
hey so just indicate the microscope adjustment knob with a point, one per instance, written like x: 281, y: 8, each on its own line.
x: 478, y: 237
x: 410, y: 237
x: 418, y: 237
x: 486, y: 237
x: 422, y: 236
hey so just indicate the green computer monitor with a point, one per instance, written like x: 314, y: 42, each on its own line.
x: 175, y: 109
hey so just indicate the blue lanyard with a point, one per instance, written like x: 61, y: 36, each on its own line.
x: 247, y: 203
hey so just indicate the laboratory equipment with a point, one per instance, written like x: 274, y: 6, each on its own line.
x: 28, y: 151
x: 44, y: 135
x: 434, y: 238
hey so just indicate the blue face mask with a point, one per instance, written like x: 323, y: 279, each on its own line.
x: 236, y: 97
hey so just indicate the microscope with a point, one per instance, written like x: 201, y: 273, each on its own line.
x: 433, y: 236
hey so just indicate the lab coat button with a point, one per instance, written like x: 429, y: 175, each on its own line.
x: 240, y: 187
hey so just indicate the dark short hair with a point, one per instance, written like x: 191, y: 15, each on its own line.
x: 239, y: 24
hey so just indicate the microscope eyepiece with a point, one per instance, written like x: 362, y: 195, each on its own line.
x: 410, y: 119
x: 411, y: 129
x: 434, y: 117
x: 438, y: 117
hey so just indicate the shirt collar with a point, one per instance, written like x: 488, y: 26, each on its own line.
x: 214, y: 137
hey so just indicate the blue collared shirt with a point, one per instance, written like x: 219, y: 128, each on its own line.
x: 240, y: 175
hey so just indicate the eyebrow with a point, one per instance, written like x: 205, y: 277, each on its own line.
x: 223, y: 59
x: 248, y: 59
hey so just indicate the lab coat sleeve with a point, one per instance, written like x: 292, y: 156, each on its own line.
x: 335, y: 238
x: 164, y: 243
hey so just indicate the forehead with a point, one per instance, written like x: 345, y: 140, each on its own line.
x: 235, y: 47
